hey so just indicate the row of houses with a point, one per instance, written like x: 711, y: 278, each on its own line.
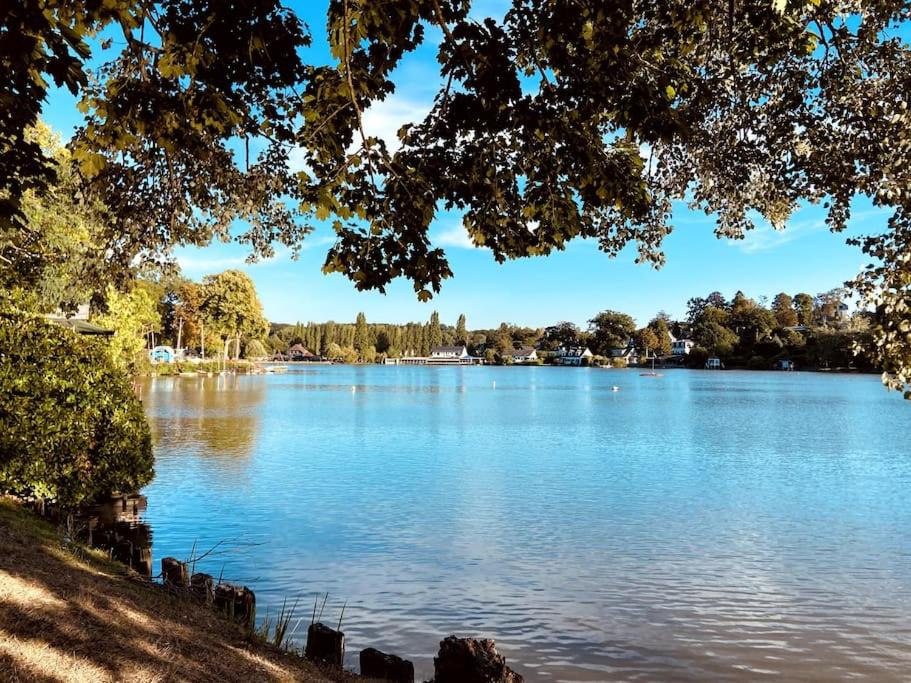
x: 458, y: 355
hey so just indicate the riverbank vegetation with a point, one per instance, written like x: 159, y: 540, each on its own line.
x: 72, y: 427
x: 69, y: 614
x: 814, y: 331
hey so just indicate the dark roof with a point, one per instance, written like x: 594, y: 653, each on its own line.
x: 82, y: 326
x: 527, y: 351
x: 298, y: 348
x: 447, y: 349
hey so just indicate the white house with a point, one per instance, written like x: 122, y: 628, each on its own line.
x: 439, y: 355
x: 682, y: 347
x: 627, y: 354
x: 449, y: 352
x: 524, y: 355
x: 572, y: 355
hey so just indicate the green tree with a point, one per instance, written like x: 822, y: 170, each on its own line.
x: 803, y: 306
x: 658, y: 326
x: 182, y: 318
x: 333, y: 351
x: 716, y: 338
x: 133, y: 316
x: 435, y: 331
x: 826, y: 307
x: 231, y: 308
x: 54, y: 259
x: 503, y: 341
x: 461, y: 334
x: 610, y: 330
x: 783, y: 308
x: 255, y: 349
x: 646, y: 341
x: 561, y: 334
x: 361, y: 336
x: 71, y: 428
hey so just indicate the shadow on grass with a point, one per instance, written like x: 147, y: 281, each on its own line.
x: 64, y: 618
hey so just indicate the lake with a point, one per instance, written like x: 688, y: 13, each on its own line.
x: 698, y: 526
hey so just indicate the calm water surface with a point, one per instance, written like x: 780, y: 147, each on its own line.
x: 700, y: 526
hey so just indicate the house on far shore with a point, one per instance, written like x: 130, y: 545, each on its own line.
x: 785, y: 364
x: 714, y: 364
x: 572, y: 355
x: 78, y: 322
x: 523, y: 355
x: 439, y: 355
x: 628, y: 354
x: 449, y: 352
x: 299, y: 353
x: 682, y: 347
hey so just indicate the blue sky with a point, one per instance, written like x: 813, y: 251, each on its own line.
x: 570, y: 285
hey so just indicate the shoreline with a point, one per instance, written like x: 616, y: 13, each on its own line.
x: 70, y: 612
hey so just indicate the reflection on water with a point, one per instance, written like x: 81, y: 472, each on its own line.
x: 116, y: 525
x: 704, y: 526
x: 216, y: 416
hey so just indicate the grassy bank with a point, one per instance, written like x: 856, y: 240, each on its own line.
x: 69, y: 614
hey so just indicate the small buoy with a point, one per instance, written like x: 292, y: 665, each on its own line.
x: 615, y: 388
x: 353, y: 388
x: 494, y: 385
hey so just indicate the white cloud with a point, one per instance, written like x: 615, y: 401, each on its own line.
x: 313, y: 242
x: 766, y: 238
x: 454, y: 236
x: 208, y: 264
x: 383, y: 119
x: 297, y: 161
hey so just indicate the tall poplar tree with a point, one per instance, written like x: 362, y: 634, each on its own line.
x: 461, y: 334
x: 435, y: 334
x: 361, y: 336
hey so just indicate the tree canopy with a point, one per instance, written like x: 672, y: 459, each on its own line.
x: 561, y: 120
x: 610, y: 330
x: 231, y: 307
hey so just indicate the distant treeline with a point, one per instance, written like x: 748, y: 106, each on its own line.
x: 223, y: 315
x: 814, y: 331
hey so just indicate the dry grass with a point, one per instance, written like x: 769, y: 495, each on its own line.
x: 75, y: 616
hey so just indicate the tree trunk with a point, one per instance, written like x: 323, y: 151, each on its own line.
x: 179, y: 333
x: 237, y: 347
x: 202, y: 338
x: 225, y: 355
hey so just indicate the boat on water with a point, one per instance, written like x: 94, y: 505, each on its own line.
x: 652, y: 373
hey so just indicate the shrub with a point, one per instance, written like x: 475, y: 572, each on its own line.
x: 758, y: 363
x: 697, y: 357
x: 71, y: 428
